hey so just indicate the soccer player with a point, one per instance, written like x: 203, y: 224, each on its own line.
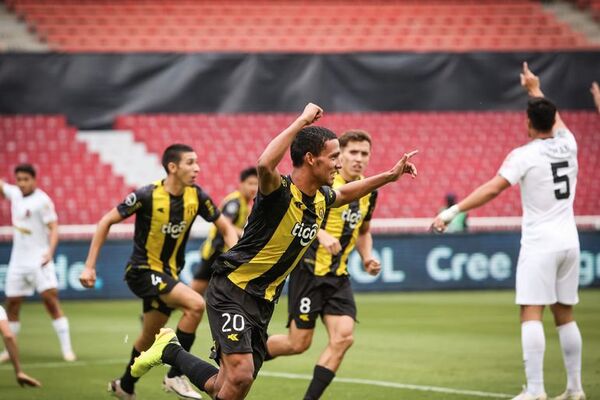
x: 165, y: 210
x: 548, y: 267
x: 31, y: 267
x: 234, y: 206
x: 320, y: 286
x: 285, y: 219
x: 10, y: 342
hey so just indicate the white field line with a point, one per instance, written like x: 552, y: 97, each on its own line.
x: 285, y: 375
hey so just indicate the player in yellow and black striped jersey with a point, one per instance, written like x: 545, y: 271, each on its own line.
x: 165, y: 211
x: 236, y: 207
x: 285, y: 218
x: 320, y: 286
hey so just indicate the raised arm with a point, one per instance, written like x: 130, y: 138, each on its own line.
x: 268, y: 175
x: 531, y: 83
x: 88, y: 275
x: 355, y: 190
x: 477, y: 198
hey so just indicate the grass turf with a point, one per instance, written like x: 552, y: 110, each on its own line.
x: 452, y: 340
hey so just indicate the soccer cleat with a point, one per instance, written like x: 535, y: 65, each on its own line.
x: 568, y: 395
x: 526, y: 396
x: 69, y: 356
x: 4, y: 357
x: 181, y: 387
x: 115, y: 389
x: 152, y: 357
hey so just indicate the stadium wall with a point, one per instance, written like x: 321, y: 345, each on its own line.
x: 92, y: 89
x: 409, y: 262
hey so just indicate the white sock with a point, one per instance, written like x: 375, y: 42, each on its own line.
x: 15, y: 327
x: 61, y: 326
x: 534, y: 345
x: 570, y: 343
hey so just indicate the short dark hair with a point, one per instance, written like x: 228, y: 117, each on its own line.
x: 26, y: 168
x: 310, y: 139
x: 172, y: 154
x: 247, y: 173
x: 354, y: 135
x: 541, y: 113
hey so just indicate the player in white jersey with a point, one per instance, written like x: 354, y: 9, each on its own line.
x: 548, y: 267
x: 10, y: 343
x: 31, y: 268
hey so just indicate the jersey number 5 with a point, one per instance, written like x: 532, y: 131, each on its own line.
x: 558, y: 193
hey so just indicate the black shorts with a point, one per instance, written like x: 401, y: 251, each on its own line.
x: 311, y: 296
x: 205, y: 268
x: 149, y: 285
x: 238, y: 320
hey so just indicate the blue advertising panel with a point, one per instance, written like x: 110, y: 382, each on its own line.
x: 409, y: 262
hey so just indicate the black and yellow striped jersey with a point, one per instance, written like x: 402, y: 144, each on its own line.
x: 343, y: 223
x: 235, y: 207
x: 280, y: 228
x: 162, y: 224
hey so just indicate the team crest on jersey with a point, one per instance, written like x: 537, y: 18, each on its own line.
x: 305, y: 233
x: 352, y: 218
x: 130, y: 199
x: 174, y: 230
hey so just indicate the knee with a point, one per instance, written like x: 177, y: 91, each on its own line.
x: 242, y: 379
x: 300, y: 346
x: 195, y: 308
x: 342, y: 342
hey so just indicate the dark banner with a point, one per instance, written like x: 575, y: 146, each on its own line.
x: 92, y: 89
x: 409, y: 262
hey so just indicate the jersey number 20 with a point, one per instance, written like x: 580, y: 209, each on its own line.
x: 558, y: 193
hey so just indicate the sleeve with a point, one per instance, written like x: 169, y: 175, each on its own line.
x: 567, y: 135
x: 329, y: 194
x: 231, y: 209
x: 513, y: 167
x: 208, y: 209
x: 134, y: 201
x: 11, y: 192
x: 372, y: 203
x: 48, y: 212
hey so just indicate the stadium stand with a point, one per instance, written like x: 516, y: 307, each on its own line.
x: 82, y: 187
x: 259, y: 26
x: 458, y: 150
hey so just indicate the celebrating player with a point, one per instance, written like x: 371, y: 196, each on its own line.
x: 248, y: 279
x: 165, y: 211
x: 548, y: 268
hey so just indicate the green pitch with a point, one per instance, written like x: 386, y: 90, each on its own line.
x: 442, y: 345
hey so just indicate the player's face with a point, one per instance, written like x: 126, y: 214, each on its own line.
x: 25, y: 182
x: 327, y: 164
x: 249, y: 187
x: 188, y: 168
x: 355, y: 158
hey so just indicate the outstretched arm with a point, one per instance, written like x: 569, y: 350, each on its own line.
x: 531, y: 83
x: 268, y: 176
x: 477, y: 198
x: 355, y: 190
x: 88, y: 275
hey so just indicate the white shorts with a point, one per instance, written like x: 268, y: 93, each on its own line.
x: 3, y: 316
x: 24, y: 281
x: 547, y: 278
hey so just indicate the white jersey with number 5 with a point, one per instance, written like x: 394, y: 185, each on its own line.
x: 546, y: 170
x: 30, y: 216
